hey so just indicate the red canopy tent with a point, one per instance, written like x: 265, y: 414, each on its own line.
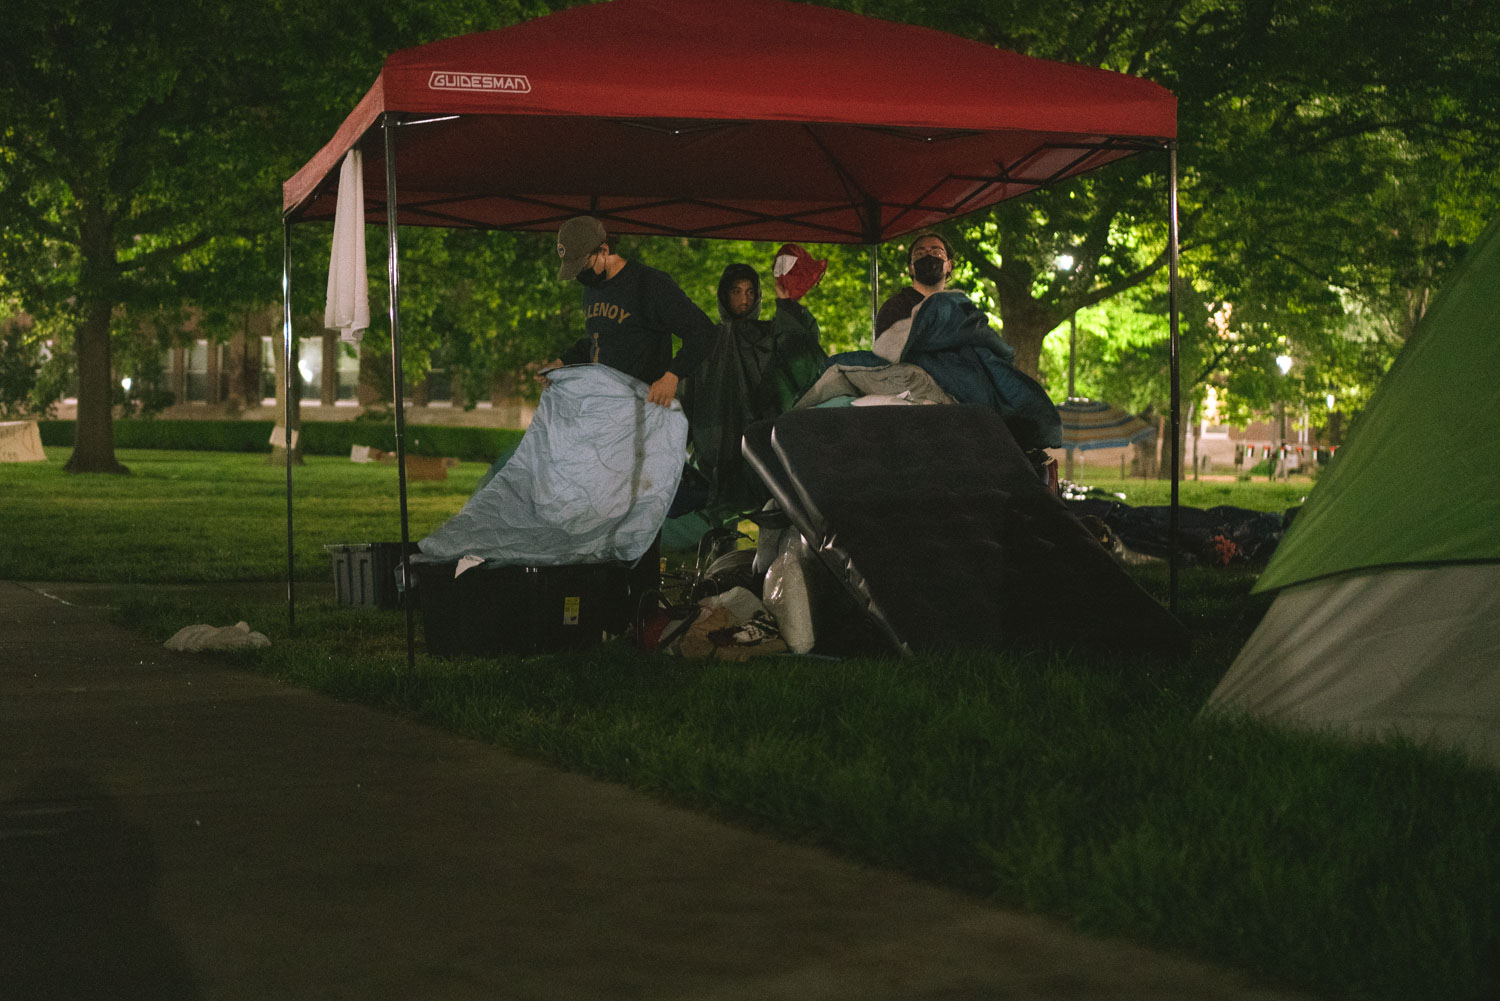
x: 744, y: 119
x: 669, y: 117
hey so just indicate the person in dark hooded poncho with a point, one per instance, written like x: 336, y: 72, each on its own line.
x: 754, y: 369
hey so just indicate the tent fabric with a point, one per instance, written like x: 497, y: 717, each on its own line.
x: 1419, y: 480
x: 1388, y: 616
x: 590, y: 482
x: 1410, y: 652
x: 1089, y: 424
x: 809, y: 132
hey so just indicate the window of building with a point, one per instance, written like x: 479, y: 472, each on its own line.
x: 348, y: 384
x: 195, y: 364
x: 310, y: 364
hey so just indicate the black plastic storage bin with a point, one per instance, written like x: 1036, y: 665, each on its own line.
x: 486, y: 612
x: 364, y: 573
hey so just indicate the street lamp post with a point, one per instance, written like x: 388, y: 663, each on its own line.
x: 1065, y: 264
x: 1283, y: 362
x: 1072, y: 354
x: 1072, y: 351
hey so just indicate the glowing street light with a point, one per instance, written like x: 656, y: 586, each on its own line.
x: 1284, y: 362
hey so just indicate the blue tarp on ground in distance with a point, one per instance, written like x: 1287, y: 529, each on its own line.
x: 1145, y: 529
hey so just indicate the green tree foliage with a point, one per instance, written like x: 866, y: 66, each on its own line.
x: 30, y: 378
x: 1334, y: 160
x: 489, y: 304
x: 100, y: 140
x: 142, y: 146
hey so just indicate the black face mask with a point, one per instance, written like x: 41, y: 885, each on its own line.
x: 928, y: 270
x: 589, y: 278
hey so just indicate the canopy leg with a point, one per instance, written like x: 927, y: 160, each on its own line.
x: 286, y: 417
x: 1172, y: 519
x: 389, y: 124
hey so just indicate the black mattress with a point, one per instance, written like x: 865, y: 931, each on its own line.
x: 938, y: 526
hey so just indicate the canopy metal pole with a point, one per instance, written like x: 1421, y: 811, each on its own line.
x: 1172, y: 519
x: 388, y: 123
x: 286, y: 417
x: 873, y: 238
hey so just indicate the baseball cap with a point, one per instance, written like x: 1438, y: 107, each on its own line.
x: 579, y: 237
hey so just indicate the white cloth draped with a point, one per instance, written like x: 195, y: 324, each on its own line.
x: 348, y: 306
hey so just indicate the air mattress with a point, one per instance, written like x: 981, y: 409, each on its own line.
x: 935, y: 522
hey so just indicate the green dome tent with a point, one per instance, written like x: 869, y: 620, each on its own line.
x: 1387, y: 618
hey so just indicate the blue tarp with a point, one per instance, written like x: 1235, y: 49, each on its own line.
x: 1255, y: 534
x: 590, y: 482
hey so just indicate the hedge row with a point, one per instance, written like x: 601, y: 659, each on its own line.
x: 470, y: 444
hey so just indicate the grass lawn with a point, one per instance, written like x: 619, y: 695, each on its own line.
x: 1066, y: 783
x: 182, y: 517
x: 1257, y: 496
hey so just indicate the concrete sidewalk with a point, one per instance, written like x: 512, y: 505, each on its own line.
x: 172, y: 828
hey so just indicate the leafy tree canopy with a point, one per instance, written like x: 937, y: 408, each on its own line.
x: 1335, y: 160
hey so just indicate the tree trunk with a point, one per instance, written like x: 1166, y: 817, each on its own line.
x: 1026, y: 321
x: 328, y: 389
x: 178, y: 377
x: 374, y: 374
x: 1164, y: 447
x: 505, y: 397
x: 213, y: 373
x: 1027, y: 341
x: 241, y: 376
x: 1335, y: 429
x: 94, y: 441
x: 1143, y: 459
x: 1191, y: 427
x: 419, y: 393
x: 294, y: 423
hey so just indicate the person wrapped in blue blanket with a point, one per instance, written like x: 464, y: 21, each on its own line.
x: 950, y: 338
x: 928, y: 333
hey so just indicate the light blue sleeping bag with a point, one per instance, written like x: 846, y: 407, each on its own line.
x: 590, y: 482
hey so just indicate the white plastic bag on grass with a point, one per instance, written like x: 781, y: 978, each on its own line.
x: 195, y: 639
